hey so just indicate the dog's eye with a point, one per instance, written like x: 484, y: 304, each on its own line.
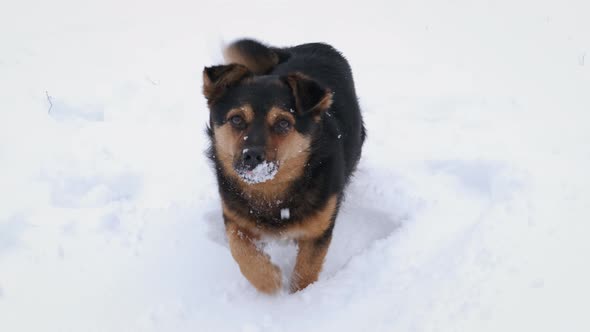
x: 237, y: 121
x: 282, y: 126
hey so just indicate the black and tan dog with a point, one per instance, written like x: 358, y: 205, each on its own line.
x: 286, y: 135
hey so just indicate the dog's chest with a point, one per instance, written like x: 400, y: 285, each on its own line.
x: 274, y: 213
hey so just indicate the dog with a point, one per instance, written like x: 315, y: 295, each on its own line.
x: 286, y: 135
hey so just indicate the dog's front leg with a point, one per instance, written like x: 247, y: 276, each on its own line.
x: 310, y: 260
x: 254, y: 264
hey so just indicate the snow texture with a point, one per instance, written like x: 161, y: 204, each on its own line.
x: 265, y: 171
x: 469, y: 210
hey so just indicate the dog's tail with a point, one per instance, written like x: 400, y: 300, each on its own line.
x: 257, y: 57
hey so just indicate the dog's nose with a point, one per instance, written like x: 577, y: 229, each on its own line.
x: 251, y: 157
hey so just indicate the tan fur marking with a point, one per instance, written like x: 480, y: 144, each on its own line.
x: 208, y: 86
x: 317, y: 109
x: 310, y: 257
x: 258, y: 65
x: 276, y: 113
x: 232, y: 75
x: 290, y: 151
x: 315, y: 225
x: 244, y: 223
x: 210, y: 90
x: 323, y: 105
x: 310, y: 260
x: 257, y: 267
x: 254, y: 264
x: 228, y: 141
x: 310, y: 228
x: 293, y: 147
x: 226, y: 144
x: 245, y: 111
x: 326, y: 102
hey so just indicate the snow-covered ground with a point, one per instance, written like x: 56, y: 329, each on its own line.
x: 470, y: 210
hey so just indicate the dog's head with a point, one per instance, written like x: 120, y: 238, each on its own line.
x: 262, y: 127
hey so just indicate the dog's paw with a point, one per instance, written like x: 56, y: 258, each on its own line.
x: 267, y: 279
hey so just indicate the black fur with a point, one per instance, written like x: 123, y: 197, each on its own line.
x: 337, y: 138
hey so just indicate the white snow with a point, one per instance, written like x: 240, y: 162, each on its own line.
x: 469, y: 210
x: 265, y: 171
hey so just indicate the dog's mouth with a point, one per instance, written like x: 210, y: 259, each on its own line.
x: 265, y: 171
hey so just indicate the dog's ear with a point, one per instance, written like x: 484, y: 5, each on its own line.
x: 309, y: 95
x: 218, y: 78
